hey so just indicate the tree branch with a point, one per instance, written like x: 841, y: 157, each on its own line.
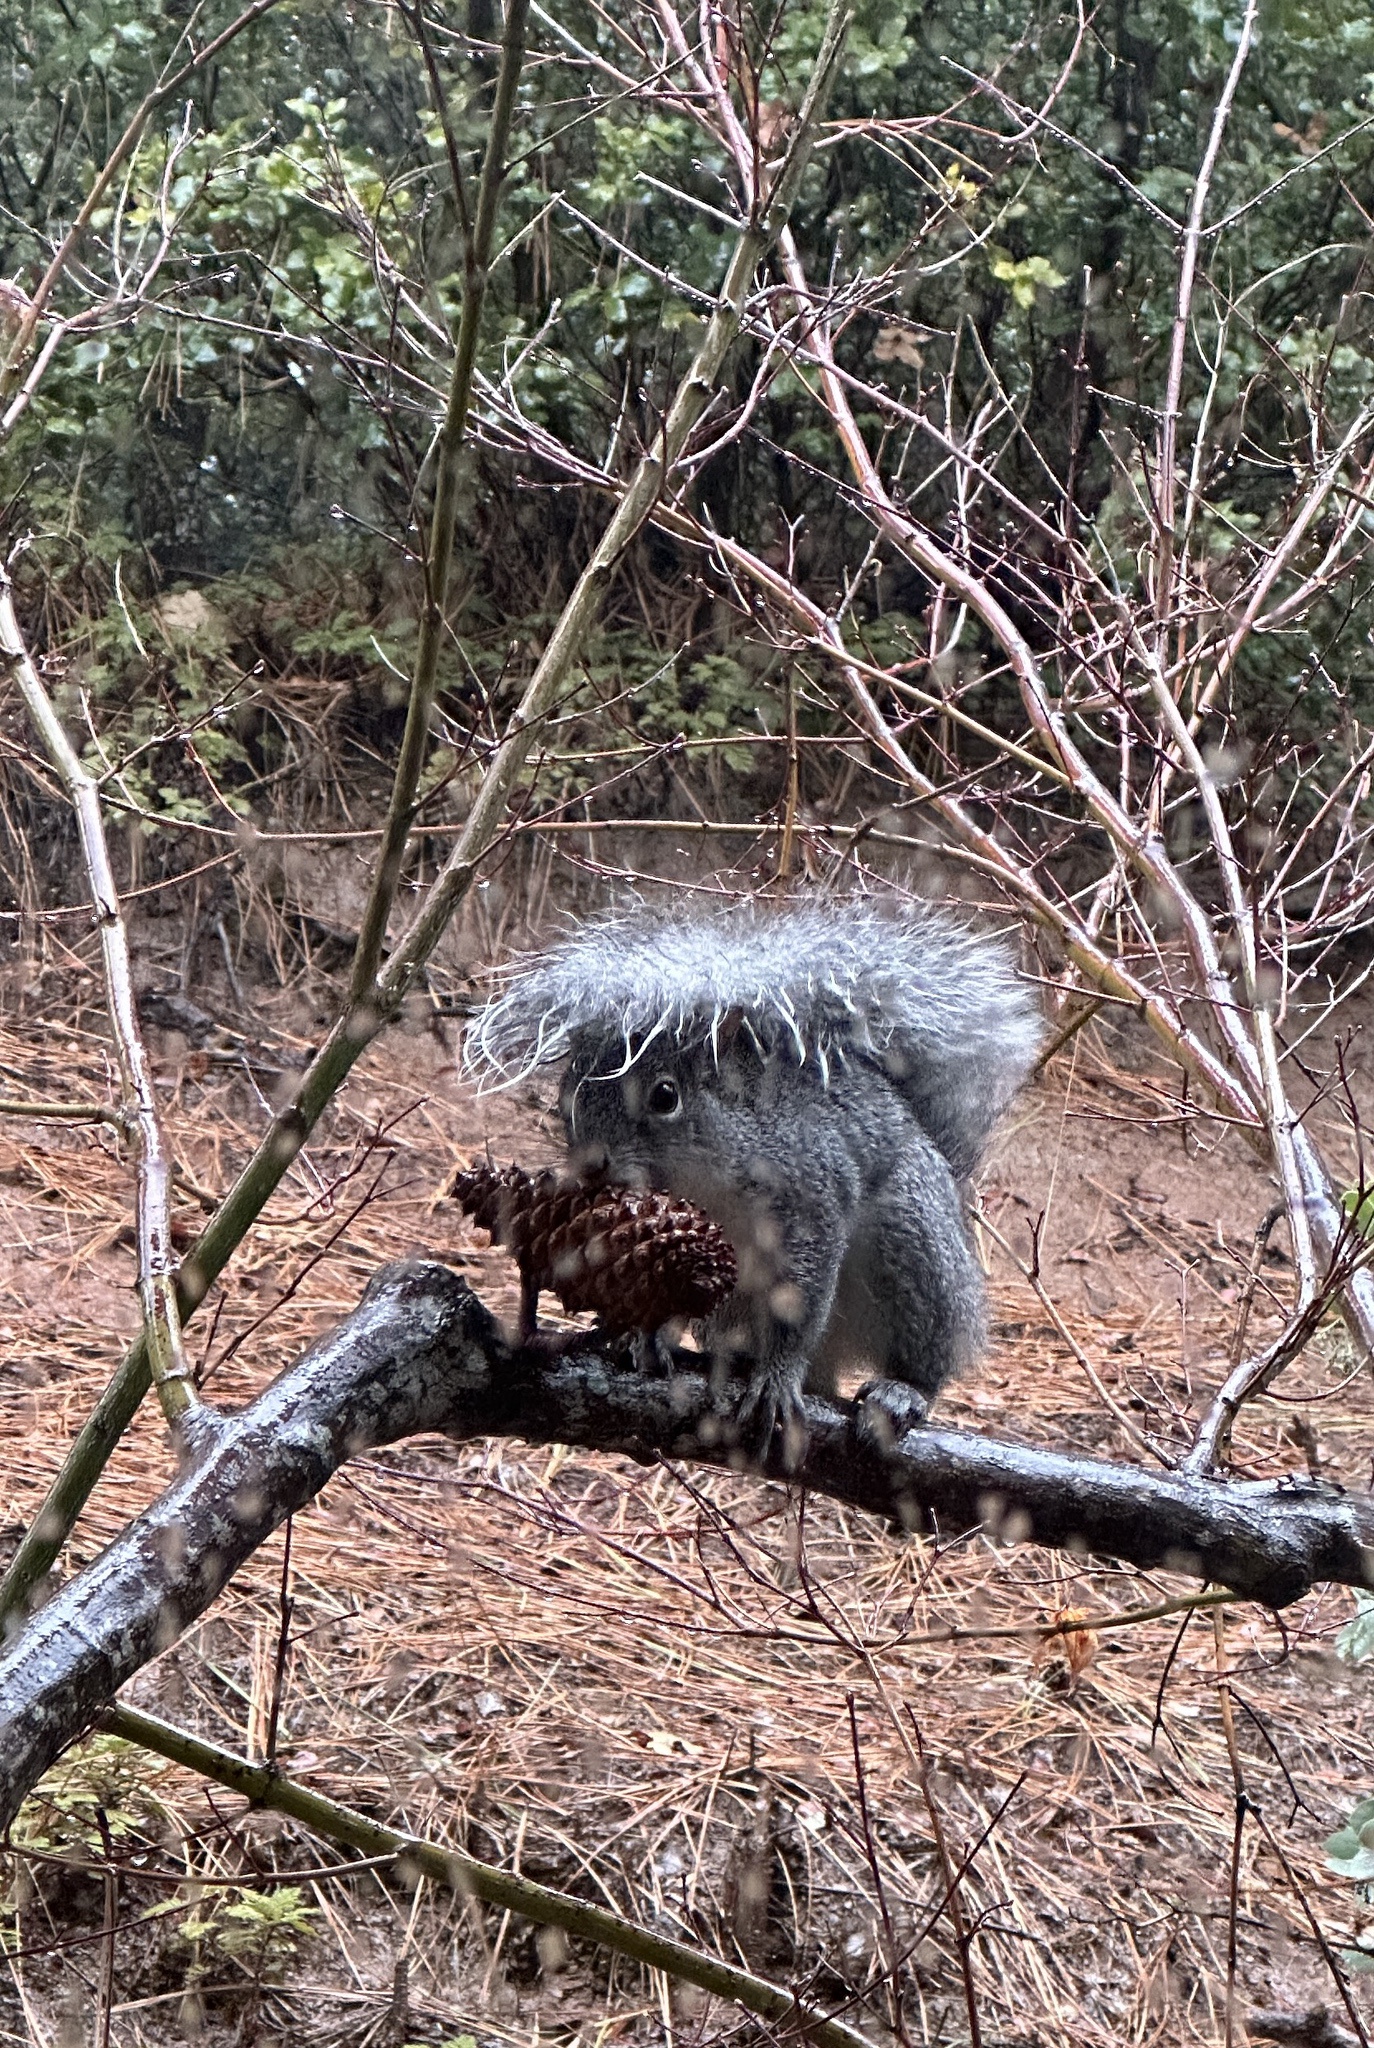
x: 1167, y: 484
x: 422, y: 1353
x: 477, y: 243
x: 157, y: 1293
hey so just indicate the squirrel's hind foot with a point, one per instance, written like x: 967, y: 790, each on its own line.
x: 884, y: 1410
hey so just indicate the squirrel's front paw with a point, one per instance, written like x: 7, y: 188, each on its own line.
x: 884, y: 1410
x: 652, y: 1354
x: 771, y: 1414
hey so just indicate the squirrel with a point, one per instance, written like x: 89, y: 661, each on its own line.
x: 820, y: 1079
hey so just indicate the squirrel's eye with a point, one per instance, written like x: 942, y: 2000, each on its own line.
x: 663, y: 1098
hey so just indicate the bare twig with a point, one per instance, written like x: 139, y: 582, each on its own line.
x: 1319, y: 1936
x: 952, y: 1879
x: 1263, y: 1231
x: 1029, y: 1269
x: 63, y: 1112
x: 170, y: 1368
x: 891, y: 1957
x: 1167, y: 482
x: 1249, y: 1379
x: 1240, y: 1806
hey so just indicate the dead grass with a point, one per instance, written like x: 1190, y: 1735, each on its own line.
x: 690, y: 1697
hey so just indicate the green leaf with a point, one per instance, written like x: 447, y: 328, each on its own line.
x: 1355, y: 1643
x: 1350, y: 1851
x: 1031, y: 275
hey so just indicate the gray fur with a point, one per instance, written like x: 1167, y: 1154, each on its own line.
x: 940, y: 1008
x: 818, y: 1079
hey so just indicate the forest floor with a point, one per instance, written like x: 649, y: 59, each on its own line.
x: 694, y: 1698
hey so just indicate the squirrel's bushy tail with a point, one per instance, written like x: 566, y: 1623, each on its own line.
x: 964, y: 1030
x: 940, y: 1008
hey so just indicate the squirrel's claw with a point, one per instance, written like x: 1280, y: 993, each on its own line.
x: 771, y: 1413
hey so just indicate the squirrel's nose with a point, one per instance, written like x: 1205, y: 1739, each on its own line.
x: 590, y: 1161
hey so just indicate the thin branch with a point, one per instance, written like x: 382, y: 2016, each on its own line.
x: 63, y: 1112
x: 1167, y: 482
x: 171, y: 1370
x: 471, y: 1879
x: 477, y: 247
x: 953, y: 1878
x: 1030, y: 1273
x: 1248, y: 1379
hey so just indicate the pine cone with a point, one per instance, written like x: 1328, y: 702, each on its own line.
x: 636, y: 1258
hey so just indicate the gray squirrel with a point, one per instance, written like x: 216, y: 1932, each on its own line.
x: 819, y: 1078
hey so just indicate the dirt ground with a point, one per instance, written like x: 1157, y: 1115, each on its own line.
x: 690, y: 1697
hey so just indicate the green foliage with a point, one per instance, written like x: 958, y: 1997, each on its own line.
x: 102, y: 1779
x: 108, y: 1792
x: 709, y: 699
x: 262, y: 1930
x: 1027, y: 278
x: 273, y: 390
x: 1350, y: 1854
x: 1355, y: 1643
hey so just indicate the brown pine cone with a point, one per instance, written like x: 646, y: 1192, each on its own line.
x: 636, y: 1258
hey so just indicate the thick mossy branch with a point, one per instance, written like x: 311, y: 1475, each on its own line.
x: 421, y: 1353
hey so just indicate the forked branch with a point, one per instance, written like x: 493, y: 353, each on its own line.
x: 421, y: 1353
